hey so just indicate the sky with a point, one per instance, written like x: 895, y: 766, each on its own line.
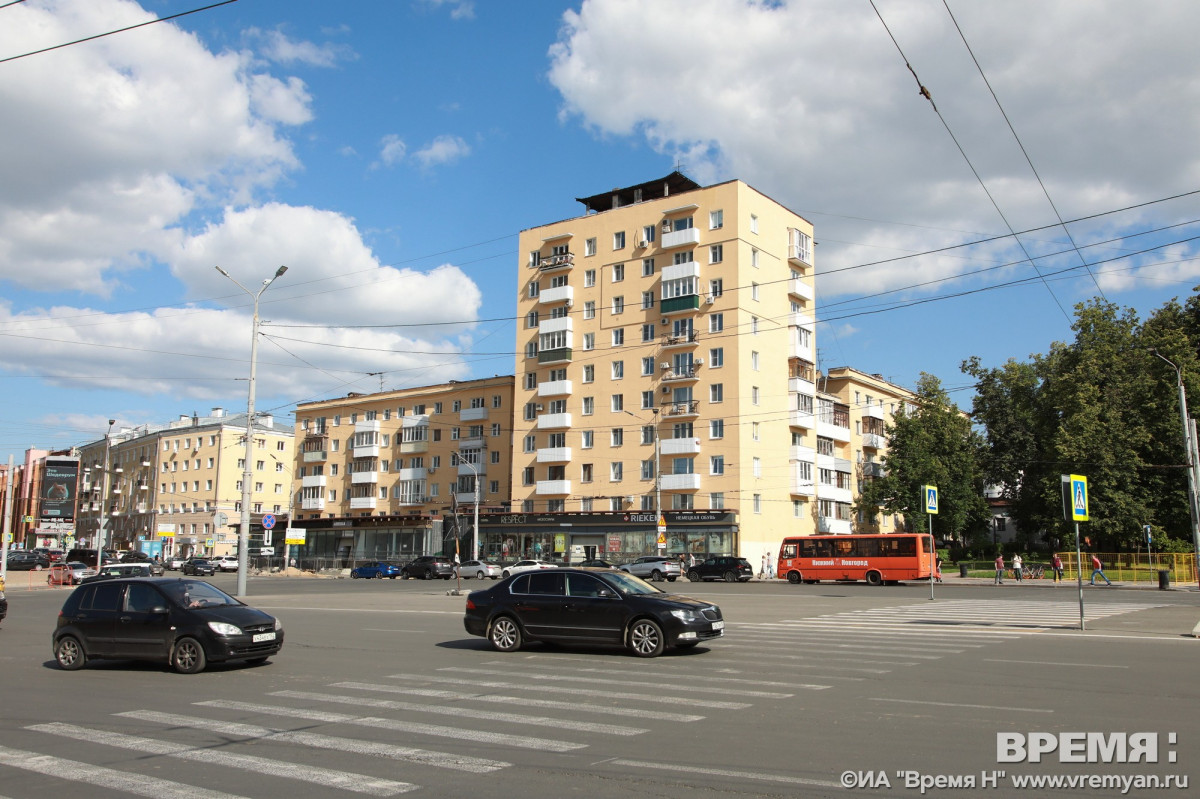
x: 388, y: 152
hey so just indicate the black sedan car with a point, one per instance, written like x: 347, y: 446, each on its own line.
x: 589, y: 606
x: 721, y: 567
x: 185, y: 623
x: 198, y: 566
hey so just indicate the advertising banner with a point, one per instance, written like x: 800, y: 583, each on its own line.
x: 59, y: 484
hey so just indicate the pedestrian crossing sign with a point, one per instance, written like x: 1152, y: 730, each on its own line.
x: 1079, y: 498
x: 931, y: 499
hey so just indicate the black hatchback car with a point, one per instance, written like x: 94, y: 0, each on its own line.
x: 429, y: 567
x: 589, y: 606
x: 184, y: 623
x: 721, y: 567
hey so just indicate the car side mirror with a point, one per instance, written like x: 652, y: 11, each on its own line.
x: 160, y: 610
x: 604, y: 593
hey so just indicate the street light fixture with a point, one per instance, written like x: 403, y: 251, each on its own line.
x: 247, y: 474
x: 1189, y: 447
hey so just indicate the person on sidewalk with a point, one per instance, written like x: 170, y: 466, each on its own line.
x: 1056, y: 565
x: 1016, y: 564
x: 937, y: 569
x: 1098, y: 568
x: 999, y: 570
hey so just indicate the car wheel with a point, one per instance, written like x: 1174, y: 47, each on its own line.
x: 447, y: 577
x: 69, y: 653
x: 188, y: 656
x: 505, y: 634
x: 694, y: 576
x: 730, y: 577
x: 479, y: 575
x: 794, y: 577
x: 670, y: 579
x: 646, y: 638
x: 874, y: 578
x: 656, y: 575
x: 353, y: 576
x: 378, y: 575
x: 505, y: 574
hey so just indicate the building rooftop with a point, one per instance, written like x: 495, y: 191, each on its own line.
x: 674, y: 183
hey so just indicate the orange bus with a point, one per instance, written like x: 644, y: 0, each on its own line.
x: 877, y: 559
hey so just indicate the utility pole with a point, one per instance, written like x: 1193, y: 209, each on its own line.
x: 1189, y: 446
x: 102, y: 530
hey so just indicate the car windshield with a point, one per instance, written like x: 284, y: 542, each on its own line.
x: 626, y: 583
x: 197, y: 594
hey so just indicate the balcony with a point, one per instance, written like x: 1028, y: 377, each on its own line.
x: 801, y: 256
x: 553, y: 421
x: 873, y: 441
x: 798, y: 348
x: 313, y: 481
x: 469, y: 469
x: 679, y: 446
x: 799, y: 452
x: 362, y: 503
x: 802, y: 487
x: 367, y: 451
x: 679, y: 482
x: 873, y: 412
x: 873, y: 469
x: 472, y: 414
x: 554, y: 388
x: 557, y: 294
x: 412, y: 447
x: 802, y: 319
x: 554, y: 455
x: 364, y: 477
x: 801, y: 419
x: 834, y: 431
x: 689, y: 339
x: 673, y: 376
x: 411, y: 499
x: 680, y: 238
x: 553, y: 487
x: 314, y: 456
x: 312, y: 503
x: 416, y: 473
x: 830, y: 525
x: 466, y: 498
x: 799, y: 288
x: 474, y: 442
x: 678, y: 410
x: 560, y: 355
x: 836, y: 494
x: 552, y: 263
x: 673, y: 305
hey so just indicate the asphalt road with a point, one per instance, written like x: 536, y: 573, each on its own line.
x: 379, y: 691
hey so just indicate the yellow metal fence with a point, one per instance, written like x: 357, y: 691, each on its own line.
x: 1129, y: 567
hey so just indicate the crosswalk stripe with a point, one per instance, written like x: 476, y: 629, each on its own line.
x: 716, y: 772
x: 359, y: 783
x: 317, y: 741
x: 821, y: 640
x: 99, y: 776
x: 823, y: 661
x: 473, y: 713
x: 692, y: 689
x: 689, y: 678
x: 552, y: 704
x: 507, y: 739
x: 565, y: 689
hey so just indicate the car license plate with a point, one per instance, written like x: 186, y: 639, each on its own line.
x: 718, y: 625
x: 264, y: 637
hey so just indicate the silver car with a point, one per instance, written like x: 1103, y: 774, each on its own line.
x: 477, y: 568
x: 654, y: 567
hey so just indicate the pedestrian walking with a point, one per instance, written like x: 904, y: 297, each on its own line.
x: 999, y: 570
x: 1016, y: 566
x: 1098, y: 568
x: 937, y: 569
x: 762, y: 573
x: 1056, y: 565
x: 691, y: 559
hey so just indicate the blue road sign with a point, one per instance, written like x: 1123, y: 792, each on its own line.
x: 268, y: 521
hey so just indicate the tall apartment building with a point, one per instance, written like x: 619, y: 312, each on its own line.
x: 666, y: 362
x: 41, y: 508
x: 169, y: 484
x: 379, y: 474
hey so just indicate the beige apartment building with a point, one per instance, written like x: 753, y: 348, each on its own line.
x: 666, y: 362
x: 380, y: 475
x: 177, y: 488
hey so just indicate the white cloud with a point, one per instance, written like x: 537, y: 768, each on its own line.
x: 391, y: 150
x: 277, y: 46
x: 811, y: 103
x: 444, y: 149
x: 459, y: 9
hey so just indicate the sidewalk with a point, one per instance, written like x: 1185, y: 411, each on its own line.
x: 1043, y: 582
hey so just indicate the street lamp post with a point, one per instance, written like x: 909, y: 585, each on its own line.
x: 1189, y: 447
x: 247, y: 473
x: 475, y: 528
x: 104, y: 500
x: 658, y: 517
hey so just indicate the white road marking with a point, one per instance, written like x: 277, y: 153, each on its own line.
x: 500, y: 738
x: 716, y: 772
x: 692, y: 689
x: 468, y: 713
x: 99, y: 776
x: 1053, y: 663
x: 955, y: 704
x: 566, y: 689
x: 359, y: 783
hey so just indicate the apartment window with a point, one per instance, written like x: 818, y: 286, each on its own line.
x: 531, y: 319
x: 589, y: 309
x: 757, y: 503
x: 685, y: 257
x: 716, y: 392
x: 527, y: 476
x: 618, y: 370
x: 530, y: 381
x: 754, y: 325
x: 618, y: 305
x: 683, y: 502
x: 716, y: 357
x: 648, y: 433
x: 531, y: 350
x: 756, y: 464
x: 648, y: 234
x: 589, y: 342
x: 647, y: 300
x: 716, y: 287
x: 716, y: 323
x: 589, y: 373
x: 589, y: 278
x: 617, y: 437
x: 589, y: 406
x: 648, y: 469
x: 754, y: 258
x: 754, y: 395
x: 618, y: 403
x: 530, y: 444
x: 648, y: 264
x: 618, y: 273
x: 619, y: 240
x: 716, y: 254
x: 648, y: 332
x: 716, y: 219
x: 647, y: 366
x: 754, y: 430
x: 716, y: 428
x: 716, y: 464
x: 754, y: 291
x: 753, y: 223
x: 618, y: 336
x: 647, y: 400
x: 754, y: 360
x: 589, y: 247
x: 534, y: 289
x: 716, y: 500
x: 615, y: 472
x: 497, y: 400
x: 585, y: 504
x: 586, y: 439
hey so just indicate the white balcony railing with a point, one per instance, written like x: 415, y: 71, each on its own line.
x: 679, y: 482
x: 362, y: 503
x: 472, y: 414
x: 802, y: 386
x: 679, y: 446
x: 801, y: 419
x: 873, y: 441
x: 553, y: 454
x: 553, y: 487
x: 557, y: 294
x: 364, y: 477
x: 801, y: 289
x: 313, y: 481
x: 312, y: 503
x: 874, y: 411
x: 680, y: 238
x: 834, y: 431
x: 554, y: 388
x: 553, y: 421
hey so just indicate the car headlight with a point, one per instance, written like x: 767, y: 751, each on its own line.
x: 685, y: 615
x: 221, y: 628
x: 278, y: 624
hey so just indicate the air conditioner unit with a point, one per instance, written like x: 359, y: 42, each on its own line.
x: 709, y: 299
x: 666, y: 389
x: 539, y: 408
x: 664, y: 320
x: 664, y: 366
x: 630, y: 500
x: 698, y: 361
x: 666, y: 226
x: 642, y: 243
x: 432, y: 470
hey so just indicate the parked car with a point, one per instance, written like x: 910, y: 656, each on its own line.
x: 135, y: 556
x: 376, y: 569
x: 595, y: 564
x: 70, y: 573
x: 53, y: 555
x: 121, y: 570
x: 527, y: 565
x: 88, y: 556
x: 428, y: 567
x: 589, y: 606
x: 225, y: 563
x: 174, y: 563
x: 3, y: 605
x: 198, y: 566
x: 478, y: 568
x: 654, y: 567
x: 26, y: 560
x: 184, y: 623
x: 722, y: 567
